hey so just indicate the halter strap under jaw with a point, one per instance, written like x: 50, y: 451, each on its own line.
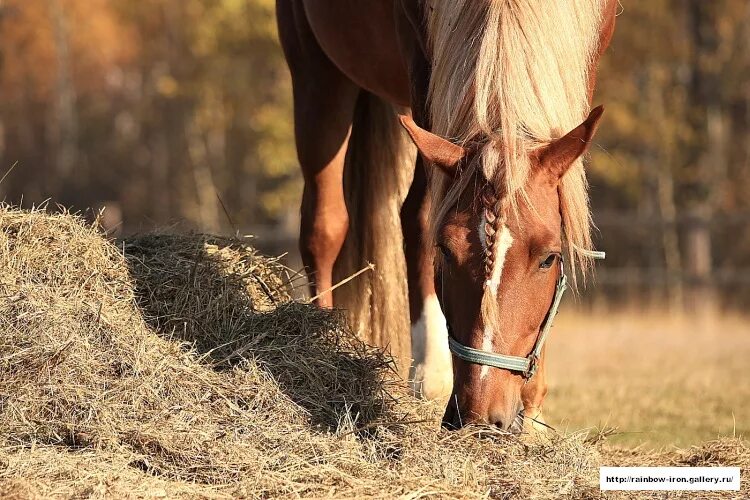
x: 528, y: 365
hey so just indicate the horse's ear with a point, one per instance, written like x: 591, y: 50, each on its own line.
x: 560, y: 154
x: 441, y: 152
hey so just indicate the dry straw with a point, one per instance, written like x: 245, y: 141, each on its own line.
x: 177, y: 366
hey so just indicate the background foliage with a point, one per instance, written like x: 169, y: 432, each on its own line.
x: 180, y: 110
x: 154, y: 107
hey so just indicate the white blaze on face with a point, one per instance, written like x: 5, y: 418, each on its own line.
x: 504, y: 242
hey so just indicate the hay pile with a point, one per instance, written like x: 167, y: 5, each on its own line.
x: 171, y: 365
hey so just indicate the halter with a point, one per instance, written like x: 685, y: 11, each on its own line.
x: 526, y: 365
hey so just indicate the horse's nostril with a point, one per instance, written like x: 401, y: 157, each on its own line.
x: 511, y: 421
x: 503, y: 425
x: 512, y: 424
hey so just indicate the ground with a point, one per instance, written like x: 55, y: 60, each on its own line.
x: 661, y: 380
x: 174, y: 365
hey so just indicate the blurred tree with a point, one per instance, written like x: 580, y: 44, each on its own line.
x: 181, y: 110
x: 65, y: 128
x: 675, y: 155
x: 188, y: 100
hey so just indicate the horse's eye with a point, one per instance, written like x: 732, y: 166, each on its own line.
x: 447, y: 255
x: 549, y: 261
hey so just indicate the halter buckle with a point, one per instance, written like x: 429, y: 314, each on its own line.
x: 533, y: 366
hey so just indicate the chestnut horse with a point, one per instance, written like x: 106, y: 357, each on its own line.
x: 498, y: 92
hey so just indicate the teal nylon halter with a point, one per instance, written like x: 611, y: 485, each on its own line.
x: 528, y: 365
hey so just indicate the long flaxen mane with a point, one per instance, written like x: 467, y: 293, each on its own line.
x: 513, y: 73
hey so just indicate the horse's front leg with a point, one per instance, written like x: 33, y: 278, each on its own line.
x: 432, y: 374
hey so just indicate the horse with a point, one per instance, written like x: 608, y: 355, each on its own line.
x: 495, y: 97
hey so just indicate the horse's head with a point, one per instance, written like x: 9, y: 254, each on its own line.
x: 497, y: 266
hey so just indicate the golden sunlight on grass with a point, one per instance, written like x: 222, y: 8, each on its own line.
x: 659, y: 380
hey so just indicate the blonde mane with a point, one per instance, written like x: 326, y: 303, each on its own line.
x: 514, y: 73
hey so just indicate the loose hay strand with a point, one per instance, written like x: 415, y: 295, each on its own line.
x: 369, y: 267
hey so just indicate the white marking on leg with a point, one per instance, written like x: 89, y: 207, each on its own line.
x: 432, y: 358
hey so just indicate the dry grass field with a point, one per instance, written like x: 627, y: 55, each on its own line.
x: 176, y: 365
x: 659, y: 380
